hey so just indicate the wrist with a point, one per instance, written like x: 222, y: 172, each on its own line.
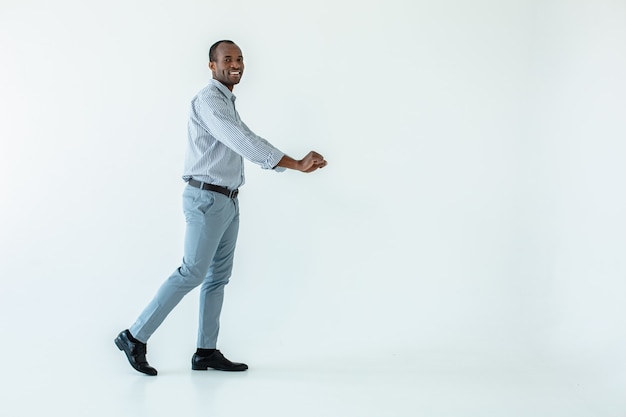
x: 290, y: 163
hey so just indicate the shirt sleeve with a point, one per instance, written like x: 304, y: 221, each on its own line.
x: 213, y: 113
x: 245, y: 127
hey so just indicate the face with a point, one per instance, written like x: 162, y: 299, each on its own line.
x: 228, y: 66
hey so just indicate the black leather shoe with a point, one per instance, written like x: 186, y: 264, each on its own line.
x: 216, y: 361
x: 135, y: 352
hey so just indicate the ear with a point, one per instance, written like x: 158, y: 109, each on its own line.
x: 212, y: 66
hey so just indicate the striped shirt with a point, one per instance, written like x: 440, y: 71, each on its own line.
x: 218, y: 140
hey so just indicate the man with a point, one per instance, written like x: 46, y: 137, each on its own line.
x: 217, y: 143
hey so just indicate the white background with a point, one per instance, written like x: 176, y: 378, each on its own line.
x: 471, y: 215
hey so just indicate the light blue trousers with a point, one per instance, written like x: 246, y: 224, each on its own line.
x: 210, y: 239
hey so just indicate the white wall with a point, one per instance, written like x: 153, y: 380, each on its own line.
x: 579, y: 131
x: 472, y: 201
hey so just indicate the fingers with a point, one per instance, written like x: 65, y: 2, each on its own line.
x: 315, y: 166
x: 316, y: 158
x: 321, y: 164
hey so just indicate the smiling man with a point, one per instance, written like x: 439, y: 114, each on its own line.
x: 227, y: 67
x: 218, y: 141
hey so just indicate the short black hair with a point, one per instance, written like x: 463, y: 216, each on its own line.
x: 212, y: 57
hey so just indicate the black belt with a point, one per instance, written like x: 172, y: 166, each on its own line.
x: 210, y: 187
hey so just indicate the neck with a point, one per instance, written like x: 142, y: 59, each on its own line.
x: 230, y: 87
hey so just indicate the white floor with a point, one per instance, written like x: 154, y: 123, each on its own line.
x: 59, y: 359
x: 95, y: 380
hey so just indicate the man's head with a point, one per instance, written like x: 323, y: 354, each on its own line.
x: 226, y: 63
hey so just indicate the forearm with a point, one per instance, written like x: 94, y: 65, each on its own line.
x: 289, y: 163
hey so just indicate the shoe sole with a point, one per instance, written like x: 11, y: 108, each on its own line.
x: 201, y: 368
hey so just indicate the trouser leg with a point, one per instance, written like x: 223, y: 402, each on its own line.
x: 207, y: 216
x: 212, y: 289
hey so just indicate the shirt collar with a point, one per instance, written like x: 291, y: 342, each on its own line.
x: 229, y: 94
